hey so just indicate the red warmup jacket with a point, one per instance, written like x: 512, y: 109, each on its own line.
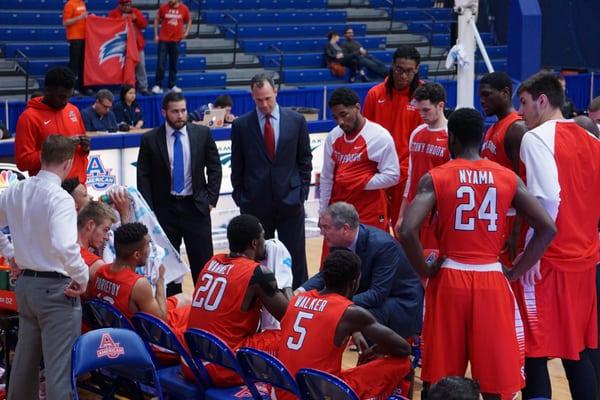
x: 140, y: 23
x: 35, y: 124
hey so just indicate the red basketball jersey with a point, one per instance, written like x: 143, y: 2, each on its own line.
x: 308, y: 330
x: 493, y: 143
x: 88, y: 257
x: 218, y: 298
x: 473, y: 198
x: 428, y: 148
x: 115, y: 287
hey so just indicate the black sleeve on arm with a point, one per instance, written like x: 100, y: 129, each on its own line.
x: 264, y: 280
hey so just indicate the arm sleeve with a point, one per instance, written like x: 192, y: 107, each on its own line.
x: 213, y: 170
x: 409, y: 177
x: 368, y: 110
x: 304, y: 157
x: 316, y: 282
x: 383, y: 152
x: 237, y: 162
x: 327, y: 171
x: 144, y: 171
x: 140, y: 20
x: 385, y: 266
x: 63, y: 233
x: 26, y: 156
x: 542, y: 172
x: 87, y: 122
x: 67, y: 12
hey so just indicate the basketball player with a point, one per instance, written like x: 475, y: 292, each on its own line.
x: 317, y: 326
x: 93, y: 224
x: 471, y: 312
x: 428, y: 148
x: 558, y: 296
x: 230, y: 291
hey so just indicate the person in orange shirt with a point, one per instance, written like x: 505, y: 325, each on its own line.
x: 52, y: 114
x: 390, y: 105
x: 74, y: 15
x: 93, y: 224
x: 317, y: 326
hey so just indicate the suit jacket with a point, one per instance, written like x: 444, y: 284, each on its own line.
x: 387, y: 279
x: 263, y: 186
x: 154, y: 169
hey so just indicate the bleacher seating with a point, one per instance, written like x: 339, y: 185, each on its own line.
x: 261, y: 16
x: 278, y: 30
x: 59, y: 49
x: 304, y: 44
x: 256, y: 4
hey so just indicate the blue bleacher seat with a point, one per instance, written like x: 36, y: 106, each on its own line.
x: 430, y: 27
x: 201, y: 79
x: 246, y: 17
x: 18, y: 17
x: 98, y: 313
x: 316, y: 385
x: 320, y: 75
x: 499, y: 65
x: 59, y: 4
x: 32, y: 34
x: 423, y: 14
x: 303, y: 44
x: 291, y: 30
x: 402, y: 3
x: 500, y: 51
x: 256, y: 4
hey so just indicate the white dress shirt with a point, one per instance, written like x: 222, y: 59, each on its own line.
x: 187, y: 171
x: 43, y: 224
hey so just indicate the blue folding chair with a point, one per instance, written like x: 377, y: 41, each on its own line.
x: 98, y: 313
x: 206, y: 347
x: 258, y: 366
x: 317, y: 385
x: 156, y: 332
x: 115, y: 350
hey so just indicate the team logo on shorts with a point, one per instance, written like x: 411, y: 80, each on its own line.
x: 99, y: 177
x: 108, y: 347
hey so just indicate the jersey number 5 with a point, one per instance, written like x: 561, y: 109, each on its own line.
x: 293, y: 342
x: 486, y: 211
x: 210, y: 293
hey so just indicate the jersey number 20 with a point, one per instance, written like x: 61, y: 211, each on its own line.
x: 210, y: 293
x: 486, y: 211
x: 296, y: 342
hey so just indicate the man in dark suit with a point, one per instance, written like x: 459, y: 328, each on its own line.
x: 179, y: 175
x: 388, y: 286
x: 270, y: 170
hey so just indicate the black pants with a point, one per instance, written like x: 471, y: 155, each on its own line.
x: 184, y: 221
x: 351, y: 62
x: 373, y: 65
x: 290, y: 230
x: 76, y: 60
x: 170, y: 49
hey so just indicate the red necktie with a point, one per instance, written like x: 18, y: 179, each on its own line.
x: 269, y: 137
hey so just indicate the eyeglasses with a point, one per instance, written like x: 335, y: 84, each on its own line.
x: 401, y: 71
x: 107, y: 107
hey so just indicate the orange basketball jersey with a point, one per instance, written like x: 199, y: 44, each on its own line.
x: 115, y: 287
x: 493, y: 143
x: 473, y: 198
x: 218, y: 298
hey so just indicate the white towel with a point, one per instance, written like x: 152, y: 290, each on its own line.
x: 279, y: 261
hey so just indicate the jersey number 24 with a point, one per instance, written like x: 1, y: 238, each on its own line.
x: 485, y: 212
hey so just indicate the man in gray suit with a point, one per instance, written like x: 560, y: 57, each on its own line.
x: 271, y: 163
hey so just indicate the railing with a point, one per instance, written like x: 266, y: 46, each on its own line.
x: 432, y: 21
x: 20, y: 55
x: 280, y: 72
x: 235, y: 36
x: 392, y: 4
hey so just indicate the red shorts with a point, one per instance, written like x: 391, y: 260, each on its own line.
x: 267, y: 341
x: 559, y: 312
x: 471, y: 315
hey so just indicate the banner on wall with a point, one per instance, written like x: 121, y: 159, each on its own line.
x: 111, y: 52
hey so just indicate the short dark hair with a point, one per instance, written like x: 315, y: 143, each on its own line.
x: 60, y: 77
x: 454, y: 388
x: 343, y: 96
x: 346, y: 29
x: 57, y: 149
x: 171, y: 97
x: 340, y: 267
x: 70, y: 184
x: 544, y: 83
x: 594, y: 104
x: 96, y: 211
x: 124, y: 89
x: 432, y: 91
x: 331, y: 34
x: 408, y: 52
x: 241, y: 231
x: 466, y: 124
x: 129, y: 238
x: 498, y: 80
x: 259, y: 80
x: 223, y: 101
x: 36, y: 93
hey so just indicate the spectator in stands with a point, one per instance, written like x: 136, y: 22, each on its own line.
x: 223, y: 101
x: 48, y: 115
x: 74, y: 15
x: 99, y: 116
x: 568, y: 109
x: 337, y: 62
x: 454, y: 388
x: 127, y: 110
x: 594, y: 110
x: 126, y: 10
x: 390, y: 105
x: 4, y: 133
x: 172, y: 16
x: 93, y: 225
x: 353, y: 48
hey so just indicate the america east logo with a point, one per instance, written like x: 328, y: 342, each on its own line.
x: 99, y: 177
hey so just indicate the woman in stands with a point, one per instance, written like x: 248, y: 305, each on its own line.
x: 335, y: 59
x: 127, y: 110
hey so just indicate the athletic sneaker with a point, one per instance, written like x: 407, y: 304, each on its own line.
x: 156, y: 89
x: 175, y: 89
